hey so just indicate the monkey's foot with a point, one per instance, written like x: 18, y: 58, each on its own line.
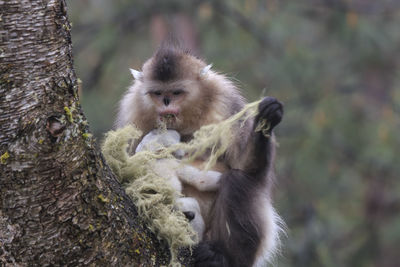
x: 270, y: 114
x: 208, y: 255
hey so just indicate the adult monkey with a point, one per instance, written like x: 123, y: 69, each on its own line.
x: 182, y: 91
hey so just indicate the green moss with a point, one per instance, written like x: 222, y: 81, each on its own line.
x: 4, y: 157
x: 69, y: 114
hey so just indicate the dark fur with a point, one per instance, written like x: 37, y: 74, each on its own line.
x: 166, y: 61
x: 236, y: 246
x: 165, y: 64
x: 237, y: 200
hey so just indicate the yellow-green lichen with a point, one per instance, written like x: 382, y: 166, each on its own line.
x: 40, y: 141
x: 263, y: 127
x: 87, y: 135
x: 69, y: 114
x: 153, y: 195
x: 103, y: 198
x: 4, y: 157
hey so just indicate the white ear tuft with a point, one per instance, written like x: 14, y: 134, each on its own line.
x: 205, y: 70
x: 137, y: 75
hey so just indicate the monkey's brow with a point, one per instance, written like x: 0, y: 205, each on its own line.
x: 150, y: 91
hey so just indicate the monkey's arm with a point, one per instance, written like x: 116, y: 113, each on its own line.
x: 201, y: 180
x: 241, y: 227
x: 261, y: 141
x: 254, y: 148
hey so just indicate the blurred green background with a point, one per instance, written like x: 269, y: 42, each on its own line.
x: 335, y: 65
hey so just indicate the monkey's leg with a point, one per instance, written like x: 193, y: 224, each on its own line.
x: 201, y: 180
x: 236, y: 229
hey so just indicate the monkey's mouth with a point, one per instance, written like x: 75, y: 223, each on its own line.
x: 169, y: 119
x: 169, y: 116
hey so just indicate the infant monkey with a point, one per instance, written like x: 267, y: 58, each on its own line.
x: 177, y: 173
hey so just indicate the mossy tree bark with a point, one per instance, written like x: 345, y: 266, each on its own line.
x: 59, y: 202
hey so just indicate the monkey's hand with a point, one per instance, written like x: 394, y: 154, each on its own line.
x: 270, y: 113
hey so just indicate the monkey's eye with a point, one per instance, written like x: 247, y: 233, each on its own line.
x: 177, y: 92
x: 158, y: 93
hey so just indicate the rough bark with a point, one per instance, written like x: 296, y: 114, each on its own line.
x: 59, y: 202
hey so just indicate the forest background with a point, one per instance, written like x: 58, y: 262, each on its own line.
x: 335, y: 65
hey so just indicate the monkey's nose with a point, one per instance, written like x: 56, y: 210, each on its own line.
x: 166, y: 101
x: 189, y: 215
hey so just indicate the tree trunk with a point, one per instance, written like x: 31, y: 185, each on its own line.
x: 59, y: 202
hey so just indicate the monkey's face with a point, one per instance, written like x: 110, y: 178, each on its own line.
x: 171, y: 102
x: 172, y: 91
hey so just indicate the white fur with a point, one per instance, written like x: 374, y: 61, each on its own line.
x: 274, y: 226
x: 191, y: 204
x: 127, y: 110
x: 202, y: 180
x: 135, y: 106
x: 205, y: 70
x: 175, y: 172
x: 137, y: 75
x: 156, y: 140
